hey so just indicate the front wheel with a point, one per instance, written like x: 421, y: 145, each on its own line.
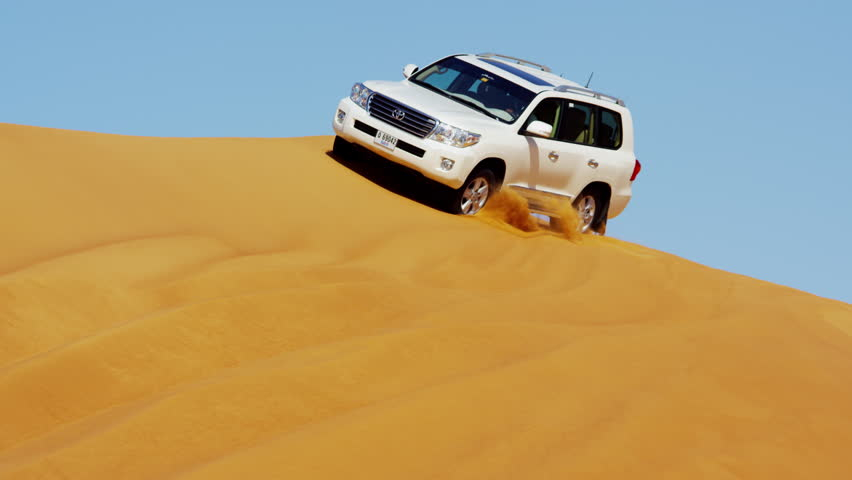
x: 474, y: 194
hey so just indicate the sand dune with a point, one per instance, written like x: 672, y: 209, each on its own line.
x: 252, y: 308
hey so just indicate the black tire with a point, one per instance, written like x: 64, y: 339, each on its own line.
x: 342, y: 148
x: 592, y: 208
x: 474, y: 193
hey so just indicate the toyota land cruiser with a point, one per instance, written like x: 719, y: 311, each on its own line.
x: 478, y: 122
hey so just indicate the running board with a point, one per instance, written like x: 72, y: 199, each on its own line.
x: 541, y: 202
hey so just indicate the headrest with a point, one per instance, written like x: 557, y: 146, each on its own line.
x: 576, y: 116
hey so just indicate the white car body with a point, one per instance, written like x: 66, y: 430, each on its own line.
x: 536, y: 167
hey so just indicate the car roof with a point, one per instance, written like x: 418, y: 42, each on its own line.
x: 531, y: 76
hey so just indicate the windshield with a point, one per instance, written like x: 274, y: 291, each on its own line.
x: 478, y: 89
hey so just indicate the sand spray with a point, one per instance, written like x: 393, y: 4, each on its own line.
x: 510, y: 207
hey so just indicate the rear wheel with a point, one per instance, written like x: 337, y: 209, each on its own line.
x: 593, y: 209
x: 474, y: 194
x: 591, y: 213
x: 587, y: 212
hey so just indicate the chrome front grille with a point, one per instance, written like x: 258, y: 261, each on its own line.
x: 400, y: 115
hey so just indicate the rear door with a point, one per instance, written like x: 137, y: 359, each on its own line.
x: 559, y: 163
x: 612, y: 164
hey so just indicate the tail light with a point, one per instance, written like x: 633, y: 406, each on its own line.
x: 636, y: 168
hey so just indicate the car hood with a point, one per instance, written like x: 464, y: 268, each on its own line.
x: 435, y: 105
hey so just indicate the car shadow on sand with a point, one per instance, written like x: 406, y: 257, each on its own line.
x: 395, y: 178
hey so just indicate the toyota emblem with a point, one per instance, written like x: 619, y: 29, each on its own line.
x: 398, y: 114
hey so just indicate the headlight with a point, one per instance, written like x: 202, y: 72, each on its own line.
x: 360, y: 94
x: 454, y: 136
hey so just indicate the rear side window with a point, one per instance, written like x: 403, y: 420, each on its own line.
x: 577, y: 123
x: 609, y: 130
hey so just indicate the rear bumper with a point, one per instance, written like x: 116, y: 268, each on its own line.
x: 619, y: 200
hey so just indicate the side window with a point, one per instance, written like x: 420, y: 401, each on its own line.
x: 548, y: 112
x: 609, y: 131
x: 577, y: 124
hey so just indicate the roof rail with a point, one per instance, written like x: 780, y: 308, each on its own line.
x: 591, y: 93
x: 517, y: 60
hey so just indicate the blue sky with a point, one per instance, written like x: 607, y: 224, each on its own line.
x: 741, y: 108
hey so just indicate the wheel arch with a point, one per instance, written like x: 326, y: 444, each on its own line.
x: 604, y: 192
x: 601, y: 187
x: 497, y: 167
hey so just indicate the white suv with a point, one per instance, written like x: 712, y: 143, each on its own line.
x: 478, y: 122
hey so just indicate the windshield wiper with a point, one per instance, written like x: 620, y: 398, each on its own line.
x: 453, y: 97
x: 472, y: 105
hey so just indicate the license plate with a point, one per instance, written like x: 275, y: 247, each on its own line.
x: 385, y: 140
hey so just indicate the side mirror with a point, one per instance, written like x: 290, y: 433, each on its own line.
x: 540, y: 129
x: 409, y: 70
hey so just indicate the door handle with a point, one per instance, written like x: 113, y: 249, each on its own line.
x: 553, y: 156
x: 593, y: 163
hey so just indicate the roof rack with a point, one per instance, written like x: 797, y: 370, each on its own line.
x: 591, y: 93
x: 517, y: 60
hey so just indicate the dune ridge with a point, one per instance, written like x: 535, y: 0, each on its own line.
x: 214, y: 308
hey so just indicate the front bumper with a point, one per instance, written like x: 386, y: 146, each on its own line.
x: 420, y: 154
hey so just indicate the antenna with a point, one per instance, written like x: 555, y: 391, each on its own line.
x: 590, y: 79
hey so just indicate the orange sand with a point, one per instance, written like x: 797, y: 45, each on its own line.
x: 251, y: 308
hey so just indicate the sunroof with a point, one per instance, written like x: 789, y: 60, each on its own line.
x: 517, y: 71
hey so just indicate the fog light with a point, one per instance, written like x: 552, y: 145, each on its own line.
x: 340, y: 116
x: 447, y: 164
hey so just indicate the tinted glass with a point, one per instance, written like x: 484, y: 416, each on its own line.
x: 517, y: 71
x: 480, y: 90
x: 576, y: 124
x: 609, y: 132
x: 443, y: 78
x: 546, y: 111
